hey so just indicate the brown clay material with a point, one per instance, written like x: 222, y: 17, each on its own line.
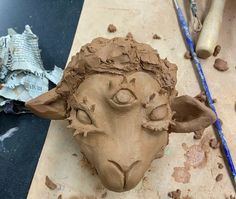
x: 84, y: 163
x: 129, y: 35
x: 50, y: 184
x: 214, y: 144
x: 214, y: 100
x: 83, y: 197
x: 221, y: 122
x: 201, y: 97
x: 187, y: 55
x: 217, y: 50
x: 111, y: 28
x: 221, y: 65
x: 175, y: 194
x: 59, y: 197
x: 198, y: 134
x: 220, y: 165
x: 181, y: 174
x: 155, y: 36
x: 219, y: 177
x: 116, y: 93
x: 195, y: 155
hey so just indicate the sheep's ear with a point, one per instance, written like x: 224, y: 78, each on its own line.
x: 49, y: 105
x: 190, y: 115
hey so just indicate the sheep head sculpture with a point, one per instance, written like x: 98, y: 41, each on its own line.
x: 119, y: 96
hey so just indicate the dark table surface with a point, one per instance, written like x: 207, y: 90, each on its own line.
x: 55, y: 23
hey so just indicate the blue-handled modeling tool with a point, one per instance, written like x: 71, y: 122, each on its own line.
x: 190, y: 44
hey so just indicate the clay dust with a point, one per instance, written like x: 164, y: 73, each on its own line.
x: 155, y: 36
x: 181, y: 174
x: 196, y: 157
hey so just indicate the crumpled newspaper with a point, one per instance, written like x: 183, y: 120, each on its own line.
x: 22, y: 75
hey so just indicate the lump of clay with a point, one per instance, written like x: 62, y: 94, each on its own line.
x: 111, y: 28
x: 216, y: 50
x: 187, y: 55
x: 119, y: 97
x: 221, y: 65
x: 156, y: 36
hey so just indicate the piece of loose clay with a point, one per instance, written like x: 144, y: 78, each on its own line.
x: 50, y: 184
x: 221, y: 65
x: 117, y: 93
x: 187, y: 55
x: 111, y: 28
x: 175, y: 194
x: 156, y: 36
x: 217, y: 50
x: 219, y: 177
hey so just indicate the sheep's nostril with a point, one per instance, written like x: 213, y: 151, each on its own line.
x: 124, y: 168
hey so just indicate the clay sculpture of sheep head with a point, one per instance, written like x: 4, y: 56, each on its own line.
x: 119, y: 96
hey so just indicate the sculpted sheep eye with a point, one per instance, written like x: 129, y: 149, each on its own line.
x: 158, y: 113
x: 124, y: 97
x: 83, y: 117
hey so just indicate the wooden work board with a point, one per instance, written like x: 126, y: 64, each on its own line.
x: 61, y: 159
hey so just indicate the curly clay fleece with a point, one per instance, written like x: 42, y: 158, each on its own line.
x: 118, y: 56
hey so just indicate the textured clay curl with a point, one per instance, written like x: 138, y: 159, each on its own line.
x: 118, y: 56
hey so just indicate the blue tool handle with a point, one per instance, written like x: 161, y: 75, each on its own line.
x: 190, y: 44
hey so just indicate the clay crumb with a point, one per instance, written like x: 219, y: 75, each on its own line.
x: 201, y: 97
x: 220, y: 165
x: 129, y: 35
x: 187, y: 55
x: 217, y: 50
x: 214, y: 100
x: 59, y: 197
x: 232, y: 197
x: 221, y: 65
x: 221, y: 122
x: 111, y: 28
x: 1, y: 86
x: 155, y: 36
x: 214, y: 144
x: 175, y: 194
x: 219, y: 177
x: 198, y: 134
x: 50, y: 184
x: 104, y: 195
